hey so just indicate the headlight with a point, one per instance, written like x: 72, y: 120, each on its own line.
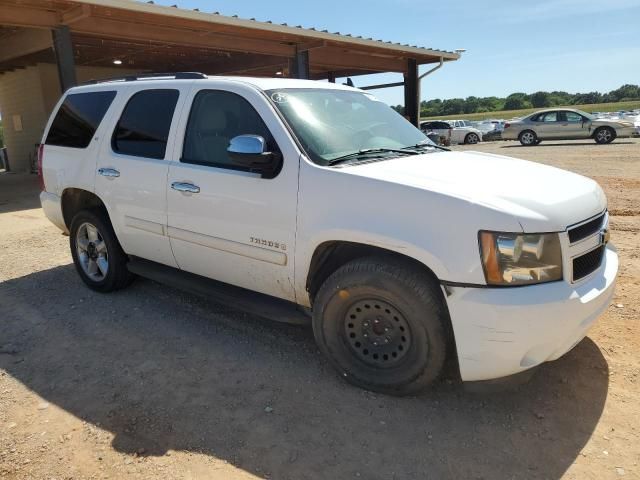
x: 520, y: 259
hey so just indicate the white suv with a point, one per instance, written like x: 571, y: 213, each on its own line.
x: 297, y: 199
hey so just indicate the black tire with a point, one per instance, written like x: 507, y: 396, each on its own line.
x: 528, y: 138
x: 604, y: 135
x: 407, y: 308
x: 117, y: 275
x: 471, y: 138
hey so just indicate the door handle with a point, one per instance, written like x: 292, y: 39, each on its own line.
x: 109, y: 172
x: 185, y: 187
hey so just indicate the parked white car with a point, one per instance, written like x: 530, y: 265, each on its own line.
x: 293, y: 198
x: 459, y: 132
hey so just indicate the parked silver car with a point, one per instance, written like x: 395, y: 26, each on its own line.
x: 565, y: 124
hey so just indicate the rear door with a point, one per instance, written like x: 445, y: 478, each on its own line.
x: 225, y: 222
x: 132, y: 168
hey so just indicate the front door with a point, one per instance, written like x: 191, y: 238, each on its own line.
x: 225, y: 222
x: 574, y: 125
x: 132, y: 169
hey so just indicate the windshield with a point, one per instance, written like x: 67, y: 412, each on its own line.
x: 331, y: 124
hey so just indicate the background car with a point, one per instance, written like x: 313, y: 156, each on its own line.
x: 565, y: 124
x: 457, y: 131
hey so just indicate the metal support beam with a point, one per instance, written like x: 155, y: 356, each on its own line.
x: 382, y: 85
x: 300, y: 65
x: 411, y: 92
x: 64, y: 57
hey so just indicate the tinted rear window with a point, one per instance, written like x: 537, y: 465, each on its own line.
x: 143, y: 128
x: 78, y: 118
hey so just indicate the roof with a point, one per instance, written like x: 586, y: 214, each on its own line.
x: 262, y: 83
x: 149, y: 37
x: 310, y: 32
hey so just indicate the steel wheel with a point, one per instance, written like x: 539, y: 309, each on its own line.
x: 92, y: 252
x: 377, y: 333
x: 382, y: 324
x: 472, y: 139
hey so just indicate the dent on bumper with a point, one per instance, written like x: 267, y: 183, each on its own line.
x: 500, y: 332
x: 52, y: 207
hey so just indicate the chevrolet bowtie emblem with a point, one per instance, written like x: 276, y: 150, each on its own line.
x: 605, y: 236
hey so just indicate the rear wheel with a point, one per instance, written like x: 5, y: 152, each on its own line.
x: 96, y: 252
x: 528, y: 138
x: 471, y: 138
x: 604, y: 135
x: 382, y: 325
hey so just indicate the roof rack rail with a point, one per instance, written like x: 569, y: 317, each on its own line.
x: 143, y: 76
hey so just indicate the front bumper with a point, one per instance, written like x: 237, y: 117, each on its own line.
x: 505, y: 331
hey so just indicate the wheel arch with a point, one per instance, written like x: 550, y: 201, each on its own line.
x: 330, y: 255
x: 74, y: 200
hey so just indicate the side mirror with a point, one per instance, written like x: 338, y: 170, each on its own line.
x: 249, y: 151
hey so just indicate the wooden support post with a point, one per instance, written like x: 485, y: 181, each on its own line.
x: 411, y: 100
x: 63, y: 48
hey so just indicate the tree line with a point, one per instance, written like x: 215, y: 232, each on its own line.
x: 519, y: 100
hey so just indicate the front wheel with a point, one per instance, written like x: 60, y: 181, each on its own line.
x: 528, y: 138
x: 471, y: 138
x: 97, y: 254
x: 604, y: 135
x: 382, y: 324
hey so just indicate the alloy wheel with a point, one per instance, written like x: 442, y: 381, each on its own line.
x: 92, y: 252
x: 604, y: 135
x: 528, y: 138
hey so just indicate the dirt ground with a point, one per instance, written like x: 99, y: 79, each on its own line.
x: 151, y: 382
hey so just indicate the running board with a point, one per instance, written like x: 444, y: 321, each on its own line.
x: 248, y: 301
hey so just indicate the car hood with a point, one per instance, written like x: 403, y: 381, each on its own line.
x: 540, y: 197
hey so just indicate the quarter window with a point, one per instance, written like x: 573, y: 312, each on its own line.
x: 78, y: 119
x: 216, y: 117
x: 143, y: 128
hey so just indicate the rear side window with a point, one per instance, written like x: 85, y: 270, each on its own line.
x: 78, y: 119
x: 143, y: 128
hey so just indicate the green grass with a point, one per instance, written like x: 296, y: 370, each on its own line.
x: 507, y: 114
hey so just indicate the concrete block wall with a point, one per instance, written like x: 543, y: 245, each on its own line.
x: 21, y: 94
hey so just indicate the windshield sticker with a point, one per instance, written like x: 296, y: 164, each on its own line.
x: 279, y: 97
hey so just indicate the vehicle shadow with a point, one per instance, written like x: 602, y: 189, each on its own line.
x: 163, y: 370
x: 571, y: 144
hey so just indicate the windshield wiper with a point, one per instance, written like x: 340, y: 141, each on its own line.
x: 428, y: 145
x: 367, y: 152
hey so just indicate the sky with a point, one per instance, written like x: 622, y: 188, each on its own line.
x: 512, y: 45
